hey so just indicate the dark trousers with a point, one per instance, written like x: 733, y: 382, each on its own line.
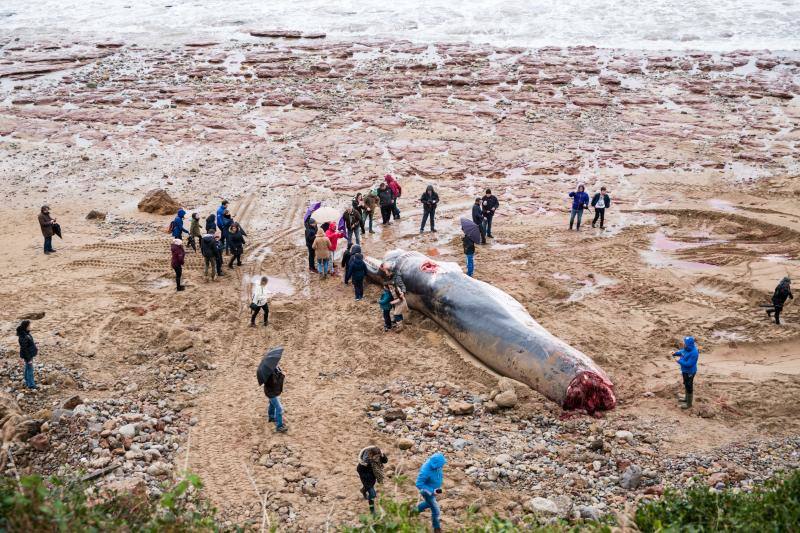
x: 48, y: 244
x: 688, y: 382
x: 361, y: 217
x: 386, y: 213
x: 225, y: 241
x: 777, y: 310
x: 311, y: 257
x: 218, y: 259
x: 387, y: 319
x: 236, y: 256
x: 192, y: 243
x: 599, y: 213
x: 265, y: 307
x: 482, y: 227
x: 369, y: 217
x: 358, y: 287
x: 178, y: 272
x: 488, y: 219
x: 395, y: 210
x: 425, y: 214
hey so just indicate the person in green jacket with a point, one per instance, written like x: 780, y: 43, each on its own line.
x: 194, y: 232
x: 386, y: 306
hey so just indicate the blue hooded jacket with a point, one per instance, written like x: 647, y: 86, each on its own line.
x: 177, y: 224
x: 689, y: 355
x: 579, y: 199
x: 220, y: 212
x: 430, y: 475
x: 356, y: 267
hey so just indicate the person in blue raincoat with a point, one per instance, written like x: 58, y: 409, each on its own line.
x: 177, y: 225
x: 429, y: 484
x: 580, y: 201
x: 688, y: 361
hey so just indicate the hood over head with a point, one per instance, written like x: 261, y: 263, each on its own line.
x: 45, y: 208
x: 181, y: 213
x: 689, y: 343
x: 437, y: 460
x: 356, y: 249
x: 320, y: 233
x: 429, y: 188
x: 22, y: 329
x: 388, y: 178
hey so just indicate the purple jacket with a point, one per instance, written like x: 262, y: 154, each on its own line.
x: 579, y: 200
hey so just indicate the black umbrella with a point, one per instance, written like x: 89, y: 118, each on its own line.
x: 57, y: 230
x: 471, y: 230
x: 269, y: 363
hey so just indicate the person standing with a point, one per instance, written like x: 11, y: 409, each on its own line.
x: 469, y: 252
x: 194, y: 232
x: 218, y: 247
x: 352, y: 224
x: 688, y: 362
x: 311, y: 234
x: 236, y: 241
x: 211, y: 224
x: 208, y: 247
x: 46, y: 225
x: 580, y: 201
x: 223, y: 206
x: 27, y: 351
x: 397, y: 191
x: 273, y: 388
x: 333, y: 236
x: 429, y: 484
x: 360, y: 209
x: 260, y: 302
x: 227, y: 222
x: 601, y: 201
x: 399, y: 308
x: 176, y: 227
x: 370, y: 471
x: 385, y: 199
x: 477, y: 218
x: 371, y: 201
x: 429, y: 201
x: 322, y: 252
x: 782, y: 292
x: 489, y: 205
x: 357, y: 271
x: 393, y: 274
x: 178, y: 255
x: 386, y: 307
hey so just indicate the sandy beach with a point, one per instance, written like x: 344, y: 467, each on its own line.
x: 698, y: 150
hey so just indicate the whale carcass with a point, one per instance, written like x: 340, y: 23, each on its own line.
x: 497, y: 329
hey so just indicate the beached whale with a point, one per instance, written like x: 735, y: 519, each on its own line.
x: 497, y: 330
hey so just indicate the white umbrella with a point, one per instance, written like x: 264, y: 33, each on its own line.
x: 326, y: 214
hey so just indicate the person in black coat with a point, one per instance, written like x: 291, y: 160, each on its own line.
x: 211, y: 223
x: 27, y: 351
x: 782, y: 292
x: 311, y: 234
x: 370, y: 471
x: 357, y: 271
x: 429, y: 201
x: 477, y: 218
x: 489, y: 205
x: 600, y: 201
x: 386, y: 200
x: 208, y: 247
x: 219, y: 247
x: 236, y: 242
x: 273, y: 388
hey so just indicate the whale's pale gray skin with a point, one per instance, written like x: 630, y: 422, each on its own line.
x: 497, y: 329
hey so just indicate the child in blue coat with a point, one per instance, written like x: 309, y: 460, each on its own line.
x: 688, y: 361
x: 580, y: 201
x: 386, y: 306
x: 429, y: 483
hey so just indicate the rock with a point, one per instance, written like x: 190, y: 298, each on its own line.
x: 505, y: 384
x: 40, y: 442
x: 293, y: 475
x: 654, y: 490
x: 624, y: 435
x: 58, y: 414
x: 631, y: 478
x: 128, y: 430
x: 461, y: 408
x: 129, y: 485
x: 158, y: 202
x: 597, y: 445
x: 159, y: 468
x: 95, y: 215
x: 542, y: 506
x: 62, y: 379
x: 178, y: 340
x: 716, y: 478
x: 394, y: 414
x: 35, y: 315
x: 404, y: 444
x: 72, y: 403
x: 506, y: 399
x: 491, y: 407
x: 132, y: 387
x: 564, y: 505
x: 502, y: 459
x: 460, y: 444
x: 280, y: 34
x: 588, y: 512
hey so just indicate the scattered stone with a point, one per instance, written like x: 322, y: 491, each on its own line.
x: 159, y: 202
x: 624, y: 435
x: 128, y: 430
x: 461, y: 408
x: 394, y: 414
x: 404, y: 444
x: 40, y: 442
x: 72, y: 403
x: 36, y: 315
x: 588, y: 512
x: 543, y: 506
x: 631, y: 478
x: 506, y: 399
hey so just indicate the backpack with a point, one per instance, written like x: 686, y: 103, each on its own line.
x: 171, y: 227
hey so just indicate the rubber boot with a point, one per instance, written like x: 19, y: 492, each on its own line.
x: 688, y: 404
x: 437, y: 530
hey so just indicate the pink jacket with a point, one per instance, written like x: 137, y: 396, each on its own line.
x: 334, y: 237
x: 393, y: 185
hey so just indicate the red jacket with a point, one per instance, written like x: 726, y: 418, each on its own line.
x: 178, y: 254
x: 394, y: 186
x: 333, y: 236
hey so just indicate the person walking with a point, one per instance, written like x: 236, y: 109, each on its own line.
x: 208, y: 247
x: 779, y: 297
x: 429, y: 484
x: 600, y: 202
x: 370, y: 471
x: 580, y: 201
x: 236, y: 241
x: 227, y: 222
x: 429, y: 201
x: 477, y: 218
x: 46, y: 225
x: 322, y: 253
x: 178, y: 255
x: 218, y: 248
x: 194, y: 232
x: 357, y: 271
x: 352, y: 224
x: 489, y: 205
x: 223, y: 206
x: 273, y: 388
x: 311, y: 234
x: 399, y: 308
x: 688, y: 362
x: 360, y: 209
x: 386, y: 307
x: 27, y: 351
x: 371, y: 201
x: 260, y: 302
x: 211, y: 224
x: 176, y: 226
x: 469, y: 252
x: 397, y: 192
x: 386, y: 200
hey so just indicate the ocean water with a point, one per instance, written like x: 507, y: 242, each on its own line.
x: 714, y: 25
